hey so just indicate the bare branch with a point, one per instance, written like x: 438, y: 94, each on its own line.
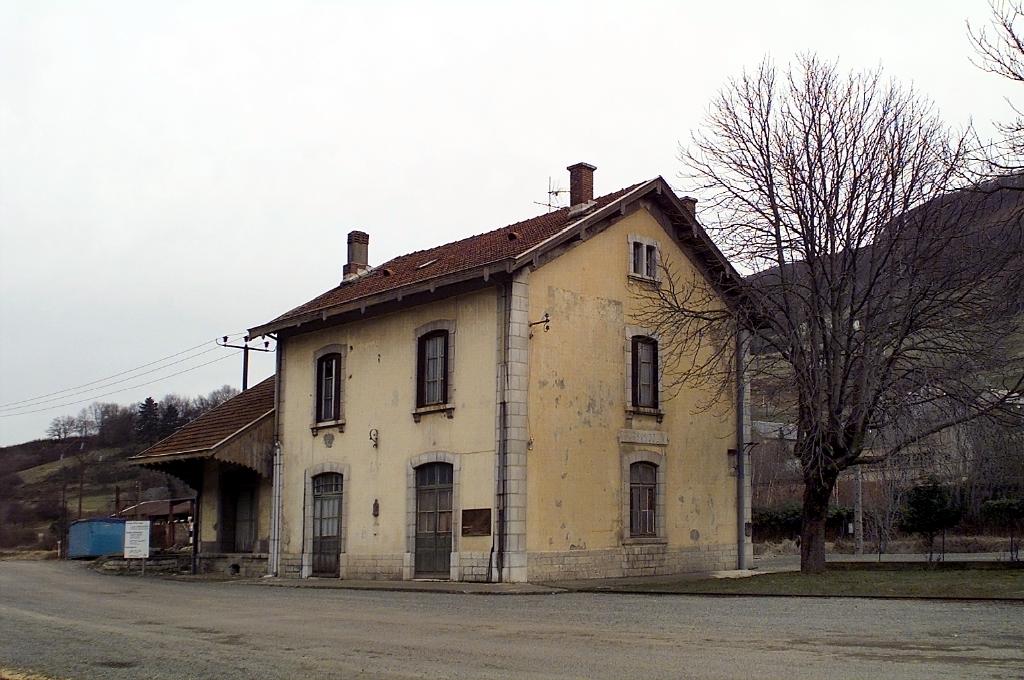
x: 885, y: 295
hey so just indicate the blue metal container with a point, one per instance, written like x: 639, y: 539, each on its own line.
x: 95, y: 537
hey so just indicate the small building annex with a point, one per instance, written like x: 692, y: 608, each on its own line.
x: 484, y: 410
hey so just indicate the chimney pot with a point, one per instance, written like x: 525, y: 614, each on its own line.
x: 581, y: 183
x: 358, y: 254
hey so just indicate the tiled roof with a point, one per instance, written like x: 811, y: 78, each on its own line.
x: 451, y: 258
x: 218, y: 423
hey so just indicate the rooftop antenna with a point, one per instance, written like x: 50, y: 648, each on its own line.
x: 553, y: 192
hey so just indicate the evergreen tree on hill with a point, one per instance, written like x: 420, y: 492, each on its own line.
x: 147, y: 422
x: 170, y: 420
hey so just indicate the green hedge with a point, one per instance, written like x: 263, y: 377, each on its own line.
x: 783, y: 521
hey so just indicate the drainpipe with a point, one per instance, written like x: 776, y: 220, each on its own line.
x: 274, y: 563
x: 741, y: 451
x: 503, y: 425
x: 197, y: 522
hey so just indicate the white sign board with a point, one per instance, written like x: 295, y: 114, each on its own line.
x: 136, y: 540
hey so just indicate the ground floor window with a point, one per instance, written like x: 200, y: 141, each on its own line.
x: 643, y: 495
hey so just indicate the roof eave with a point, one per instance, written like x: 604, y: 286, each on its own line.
x: 484, y: 271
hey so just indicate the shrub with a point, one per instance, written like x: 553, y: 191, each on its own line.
x: 929, y: 510
x: 1007, y: 514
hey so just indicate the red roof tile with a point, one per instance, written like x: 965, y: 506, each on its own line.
x: 218, y: 423
x: 451, y: 258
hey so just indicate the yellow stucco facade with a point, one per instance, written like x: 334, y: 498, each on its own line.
x: 582, y: 426
x: 539, y: 429
x: 379, y: 394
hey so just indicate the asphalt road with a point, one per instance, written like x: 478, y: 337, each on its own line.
x: 65, y: 621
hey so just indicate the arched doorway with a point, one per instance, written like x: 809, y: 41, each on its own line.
x: 434, y: 520
x: 327, y: 490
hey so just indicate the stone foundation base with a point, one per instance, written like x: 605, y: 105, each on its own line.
x: 158, y: 564
x: 379, y: 567
x: 644, y: 559
x: 466, y: 566
x: 248, y: 565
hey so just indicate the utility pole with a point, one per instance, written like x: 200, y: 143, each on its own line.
x: 62, y: 549
x: 81, y: 476
x: 245, y: 356
x: 858, y: 512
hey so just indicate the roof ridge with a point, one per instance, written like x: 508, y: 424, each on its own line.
x: 456, y: 242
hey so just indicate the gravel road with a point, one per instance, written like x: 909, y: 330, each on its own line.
x: 63, y: 620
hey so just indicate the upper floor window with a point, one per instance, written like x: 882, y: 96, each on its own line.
x: 643, y: 494
x: 328, y: 388
x: 644, y: 260
x: 645, y: 372
x: 432, y: 369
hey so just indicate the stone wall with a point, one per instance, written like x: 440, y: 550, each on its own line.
x: 291, y: 565
x: 248, y: 565
x: 630, y: 560
x: 473, y: 566
x: 377, y: 567
x: 159, y: 564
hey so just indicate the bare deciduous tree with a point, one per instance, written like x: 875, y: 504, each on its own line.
x: 1000, y: 50
x: 875, y: 293
x: 62, y: 427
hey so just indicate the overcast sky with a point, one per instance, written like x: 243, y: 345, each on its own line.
x: 171, y: 172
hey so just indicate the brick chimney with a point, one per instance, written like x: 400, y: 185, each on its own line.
x: 691, y: 205
x: 581, y: 184
x: 358, y: 254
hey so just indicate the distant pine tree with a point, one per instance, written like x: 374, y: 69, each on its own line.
x: 147, y: 422
x: 170, y: 420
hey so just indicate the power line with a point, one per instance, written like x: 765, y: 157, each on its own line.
x: 40, y: 401
x: 103, y: 380
x: 123, y: 389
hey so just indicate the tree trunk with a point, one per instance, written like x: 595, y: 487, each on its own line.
x: 812, y: 530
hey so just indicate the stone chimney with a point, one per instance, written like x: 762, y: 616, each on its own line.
x: 581, y: 184
x: 358, y: 254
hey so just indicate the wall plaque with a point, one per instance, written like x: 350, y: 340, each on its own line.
x: 651, y: 437
x: 476, y: 522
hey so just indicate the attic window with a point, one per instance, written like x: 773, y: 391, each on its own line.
x: 643, y: 261
x: 426, y: 264
x: 387, y: 272
x: 513, y: 235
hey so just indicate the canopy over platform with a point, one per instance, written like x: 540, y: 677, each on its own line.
x: 240, y: 432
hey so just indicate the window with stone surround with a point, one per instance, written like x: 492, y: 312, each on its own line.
x: 643, y: 258
x: 643, y: 497
x: 432, y: 369
x: 643, y: 494
x: 435, y: 363
x: 328, y: 388
x: 327, y: 409
x: 645, y: 372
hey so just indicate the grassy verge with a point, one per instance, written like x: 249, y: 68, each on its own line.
x: 963, y: 583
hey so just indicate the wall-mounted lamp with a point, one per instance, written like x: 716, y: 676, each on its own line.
x: 374, y: 437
